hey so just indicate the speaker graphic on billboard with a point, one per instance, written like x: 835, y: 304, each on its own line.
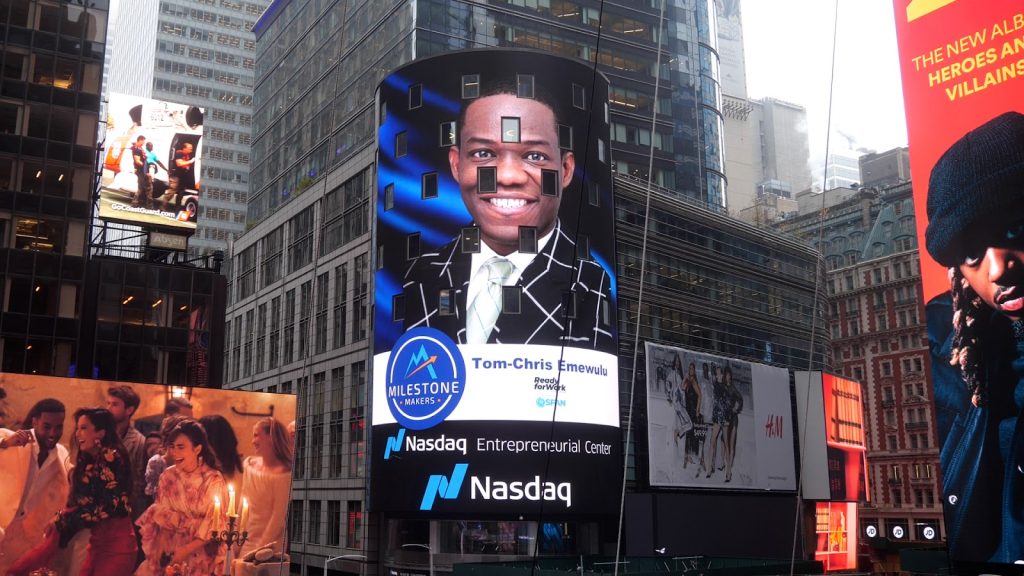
x: 495, y: 377
x: 963, y: 85
x: 151, y: 167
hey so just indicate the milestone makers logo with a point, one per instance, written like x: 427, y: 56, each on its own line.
x: 425, y: 378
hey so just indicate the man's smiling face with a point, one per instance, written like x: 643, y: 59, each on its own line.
x: 519, y: 200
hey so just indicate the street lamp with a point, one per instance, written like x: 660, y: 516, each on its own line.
x: 342, y: 557
x: 430, y: 554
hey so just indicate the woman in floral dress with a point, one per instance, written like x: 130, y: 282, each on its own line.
x: 176, y: 528
x: 100, y: 487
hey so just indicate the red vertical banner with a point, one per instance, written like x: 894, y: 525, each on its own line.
x: 963, y: 86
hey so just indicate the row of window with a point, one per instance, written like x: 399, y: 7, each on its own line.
x: 198, y: 34
x: 328, y: 326
x: 310, y: 521
x: 64, y: 18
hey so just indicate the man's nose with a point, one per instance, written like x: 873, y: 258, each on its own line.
x: 510, y: 171
x: 1000, y: 261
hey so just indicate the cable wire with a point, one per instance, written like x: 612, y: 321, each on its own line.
x: 817, y: 295
x: 640, y: 293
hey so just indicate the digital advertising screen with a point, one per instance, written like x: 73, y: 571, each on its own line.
x: 834, y: 453
x: 836, y: 538
x: 151, y: 166
x: 495, y: 370
x: 715, y: 422
x: 174, y: 461
x: 963, y: 86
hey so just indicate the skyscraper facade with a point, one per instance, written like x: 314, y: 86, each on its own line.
x: 885, y: 168
x: 319, y: 65
x: 877, y: 327
x: 201, y: 54
x: 49, y: 108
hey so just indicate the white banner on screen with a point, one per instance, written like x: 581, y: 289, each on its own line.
x: 525, y: 383
x: 707, y: 432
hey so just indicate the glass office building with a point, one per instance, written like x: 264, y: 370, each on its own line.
x: 318, y: 64
x: 49, y: 108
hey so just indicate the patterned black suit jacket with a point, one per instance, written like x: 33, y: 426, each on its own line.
x: 542, y: 319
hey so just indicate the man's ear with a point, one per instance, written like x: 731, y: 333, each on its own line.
x: 568, y: 168
x: 130, y: 411
x: 453, y: 162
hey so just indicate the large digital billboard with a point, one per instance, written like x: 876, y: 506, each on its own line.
x: 963, y: 85
x: 833, y: 452
x: 120, y: 465
x: 715, y: 422
x: 151, y: 167
x: 495, y: 375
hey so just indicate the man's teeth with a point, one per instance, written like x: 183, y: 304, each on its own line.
x: 508, y: 202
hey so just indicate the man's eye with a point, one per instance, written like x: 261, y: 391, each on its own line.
x: 481, y: 154
x: 1015, y: 231
x: 536, y: 156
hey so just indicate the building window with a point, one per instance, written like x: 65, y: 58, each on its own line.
x: 354, y: 525
x: 357, y: 421
x: 314, y: 521
x: 336, y: 441
x: 289, y: 327
x: 300, y: 250
x: 296, y: 523
x: 524, y: 85
x: 305, y: 312
x: 470, y: 86
x: 579, y: 96
x: 261, y: 337
x: 333, y: 522
x: 322, y: 297
x: 340, y: 304
x: 250, y: 333
x: 275, y: 332
x: 360, y: 298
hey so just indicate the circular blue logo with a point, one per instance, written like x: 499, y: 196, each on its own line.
x: 425, y: 379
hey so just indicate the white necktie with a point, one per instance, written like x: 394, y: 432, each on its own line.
x: 486, y: 307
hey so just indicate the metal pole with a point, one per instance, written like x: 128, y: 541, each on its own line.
x: 430, y: 554
x: 342, y: 557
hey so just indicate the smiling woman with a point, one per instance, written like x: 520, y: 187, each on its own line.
x: 174, y: 528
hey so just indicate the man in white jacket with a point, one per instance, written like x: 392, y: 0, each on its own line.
x: 34, y: 479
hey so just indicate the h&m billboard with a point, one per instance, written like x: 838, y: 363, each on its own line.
x: 715, y: 422
x: 495, y: 375
x: 963, y: 85
x: 150, y: 173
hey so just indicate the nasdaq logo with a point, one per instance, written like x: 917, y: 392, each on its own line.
x: 439, y: 485
x: 394, y: 444
x: 425, y: 378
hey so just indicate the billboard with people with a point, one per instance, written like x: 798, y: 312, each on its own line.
x: 495, y: 376
x: 122, y: 477
x: 963, y: 87
x: 151, y: 165
x: 715, y: 422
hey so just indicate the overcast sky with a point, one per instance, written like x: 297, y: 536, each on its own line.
x: 788, y: 45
